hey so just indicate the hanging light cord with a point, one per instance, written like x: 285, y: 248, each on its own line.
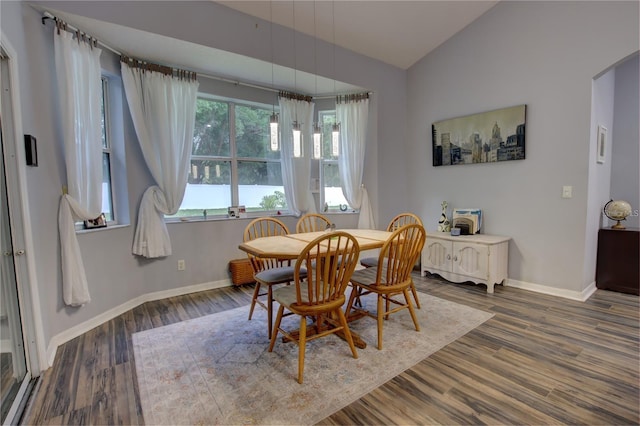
x: 273, y: 86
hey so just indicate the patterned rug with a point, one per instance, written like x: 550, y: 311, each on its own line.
x: 217, y: 370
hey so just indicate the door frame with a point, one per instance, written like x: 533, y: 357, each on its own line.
x: 22, y: 235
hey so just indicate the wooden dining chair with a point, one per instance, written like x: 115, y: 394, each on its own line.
x: 267, y: 272
x: 392, y: 276
x: 397, y: 222
x: 312, y: 222
x: 321, y: 296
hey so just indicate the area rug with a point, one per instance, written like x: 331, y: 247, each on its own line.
x: 216, y: 369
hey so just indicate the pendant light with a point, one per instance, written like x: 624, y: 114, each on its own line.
x: 335, y: 138
x: 273, y: 120
x: 317, y: 141
x: 297, y: 139
x: 317, y: 132
x: 273, y: 130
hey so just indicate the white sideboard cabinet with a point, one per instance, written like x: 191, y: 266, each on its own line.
x: 482, y: 259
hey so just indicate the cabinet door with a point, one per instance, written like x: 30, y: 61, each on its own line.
x: 437, y: 255
x: 471, y: 260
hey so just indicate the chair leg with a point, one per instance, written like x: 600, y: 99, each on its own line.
x: 352, y: 297
x: 255, y: 297
x: 302, y: 343
x: 381, y: 315
x: 358, y: 291
x: 269, y: 310
x: 276, y: 328
x: 387, y: 306
x: 411, y: 310
x: 415, y: 294
x: 347, y: 333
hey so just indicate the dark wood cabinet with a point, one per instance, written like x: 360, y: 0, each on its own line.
x: 618, y: 264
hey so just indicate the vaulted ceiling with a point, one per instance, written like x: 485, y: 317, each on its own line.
x: 392, y: 31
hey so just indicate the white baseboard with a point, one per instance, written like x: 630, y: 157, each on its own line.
x: 553, y: 291
x: 82, y: 328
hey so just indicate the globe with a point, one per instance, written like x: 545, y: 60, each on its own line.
x: 617, y: 210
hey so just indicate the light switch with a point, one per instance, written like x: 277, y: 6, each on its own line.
x: 567, y: 191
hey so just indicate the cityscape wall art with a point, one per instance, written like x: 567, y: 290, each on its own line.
x: 486, y: 137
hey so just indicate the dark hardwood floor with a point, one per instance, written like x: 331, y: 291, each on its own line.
x: 539, y: 360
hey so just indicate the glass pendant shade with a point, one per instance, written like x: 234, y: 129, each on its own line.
x: 297, y: 140
x: 273, y: 126
x: 317, y: 142
x: 335, y: 140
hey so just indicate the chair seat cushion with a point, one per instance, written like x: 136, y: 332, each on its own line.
x: 286, y: 296
x: 369, y: 262
x: 367, y: 276
x: 279, y: 275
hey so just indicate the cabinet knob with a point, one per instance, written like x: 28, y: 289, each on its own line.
x: 455, y: 258
x: 448, y: 257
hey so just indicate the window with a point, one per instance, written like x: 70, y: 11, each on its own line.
x: 231, y: 161
x: 333, y: 199
x: 107, y: 186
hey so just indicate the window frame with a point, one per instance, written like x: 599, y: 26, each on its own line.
x: 108, y: 148
x: 233, y: 159
x: 328, y: 160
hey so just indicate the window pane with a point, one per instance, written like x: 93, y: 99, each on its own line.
x: 327, y: 119
x: 211, y: 131
x: 252, y: 133
x: 103, y: 121
x: 260, y: 186
x: 107, y: 202
x: 208, y: 188
x: 333, y: 196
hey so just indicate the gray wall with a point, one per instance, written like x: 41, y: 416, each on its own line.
x: 545, y: 55
x: 599, y: 174
x: 116, y: 276
x: 625, y: 155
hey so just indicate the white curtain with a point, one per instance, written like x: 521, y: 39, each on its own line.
x: 79, y: 91
x: 163, y: 109
x: 353, y: 118
x: 296, y: 172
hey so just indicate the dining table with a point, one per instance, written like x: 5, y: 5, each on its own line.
x: 289, y: 247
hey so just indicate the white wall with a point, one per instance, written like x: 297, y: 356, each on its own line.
x: 545, y: 55
x: 625, y: 155
x: 116, y: 276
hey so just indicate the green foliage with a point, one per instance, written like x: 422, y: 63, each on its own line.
x: 212, y: 138
x: 274, y: 201
x: 211, y: 130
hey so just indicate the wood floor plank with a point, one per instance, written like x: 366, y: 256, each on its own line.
x: 539, y: 360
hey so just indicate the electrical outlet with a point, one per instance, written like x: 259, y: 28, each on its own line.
x: 181, y: 265
x: 567, y: 191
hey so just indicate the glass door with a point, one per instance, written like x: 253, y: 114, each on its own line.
x: 13, y: 362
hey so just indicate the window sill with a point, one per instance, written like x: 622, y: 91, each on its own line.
x: 191, y: 219
x: 105, y: 228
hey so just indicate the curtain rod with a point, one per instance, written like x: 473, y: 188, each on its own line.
x: 48, y: 15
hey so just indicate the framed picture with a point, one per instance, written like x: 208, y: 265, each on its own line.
x: 98, y: 222
x: 486, y: 137
x: 601, y: 144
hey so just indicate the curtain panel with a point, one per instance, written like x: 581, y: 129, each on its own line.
x: 296, y: 172
x: 79, y: 81
x: 163, y: 109
x: 353, y: 117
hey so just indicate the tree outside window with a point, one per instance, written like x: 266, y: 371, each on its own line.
x: 231, y: 161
